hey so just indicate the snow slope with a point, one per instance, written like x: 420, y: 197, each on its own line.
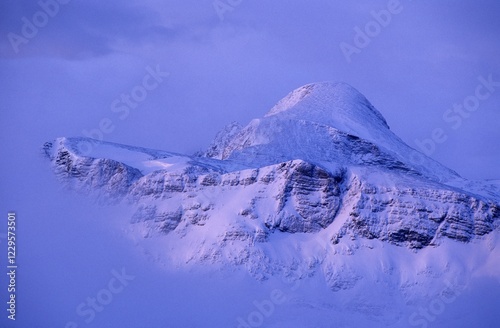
x: 329, y: 122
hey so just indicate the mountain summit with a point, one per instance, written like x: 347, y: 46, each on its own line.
x: 324, y: 122
x: 335, y: 104
x: 321, y: 168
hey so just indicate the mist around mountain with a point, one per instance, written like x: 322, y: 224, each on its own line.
x: 315, y: 215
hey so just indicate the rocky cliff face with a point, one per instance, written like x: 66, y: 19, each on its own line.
x: 416, y: 216
x: 105, y: 176
x: 322, y: 167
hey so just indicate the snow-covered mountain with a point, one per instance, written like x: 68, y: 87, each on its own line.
x: 320, y: 174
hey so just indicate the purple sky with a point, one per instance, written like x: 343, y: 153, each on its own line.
x: 68, y: 75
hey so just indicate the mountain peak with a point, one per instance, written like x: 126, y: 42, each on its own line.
x: 323, y: 122
x: 325, y: 102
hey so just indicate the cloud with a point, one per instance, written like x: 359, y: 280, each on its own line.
x: 425, y: 60
x: 79, y: 30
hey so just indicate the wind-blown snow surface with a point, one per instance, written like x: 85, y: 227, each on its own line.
x: 339, y: 223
